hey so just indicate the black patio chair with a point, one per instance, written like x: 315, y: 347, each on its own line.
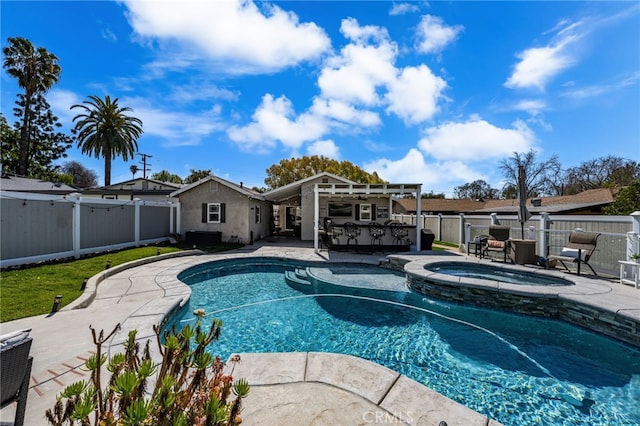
x: 578, y: 250
x: 498, y: 240
x: 351, y: 230
x: 15, y: 373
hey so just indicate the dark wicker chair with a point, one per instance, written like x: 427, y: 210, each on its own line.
x: 15, y: 373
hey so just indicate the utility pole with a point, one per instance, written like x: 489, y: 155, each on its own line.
x: 144, y: 164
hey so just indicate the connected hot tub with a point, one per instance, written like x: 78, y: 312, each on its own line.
x: 495, y: 273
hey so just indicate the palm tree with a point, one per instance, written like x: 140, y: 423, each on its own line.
x: 36, y: 70
x: 134, y: 169
x: 105, y: 130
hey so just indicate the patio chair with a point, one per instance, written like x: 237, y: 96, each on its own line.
x: 498, y: 241
x: 399, y: 233
x: 352, y: 231
x: 15, y: 371
x: 578, y: 250
x: 376, y: 232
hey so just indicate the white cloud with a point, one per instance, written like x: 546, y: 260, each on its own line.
x: 354, y: 75
x: 236, y: 33
x: 176, y: 128
x: 475, y: 140
x: 414, y: 95
x: 413, y: 168
x: 61, y: 102
x: 604, y: 89
x: 538, y: 65
x: 403, y: 8
x: 532, y: 106
x: 345, y: 113
x: 275, y: 120
x: 326, y: 148
x: 433, y: 35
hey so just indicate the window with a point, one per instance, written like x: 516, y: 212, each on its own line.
x: 213, y: 213
x: 258, y: 215
x: 365, y: 212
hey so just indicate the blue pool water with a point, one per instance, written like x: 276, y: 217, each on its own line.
x: 514, y: 369
x: 495, y: 273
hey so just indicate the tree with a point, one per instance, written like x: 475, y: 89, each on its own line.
x: 603, y: 172
x: 165, y: 176
x: 294, y: 169
x: 46, y: 145
x: 82, y: 177
x: 539, y: 174
x: 196, y: 175
x: 478, y: 189
x: 432, y: 194
x: 104, y: 129
x: 627, y: 200
x: 134, y: 169
x: 36, y: 71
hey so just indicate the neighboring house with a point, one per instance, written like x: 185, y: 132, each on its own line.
x: 142, y: 188
x: 590, y: 202
x: 38, y: 186
x: 217, y: 206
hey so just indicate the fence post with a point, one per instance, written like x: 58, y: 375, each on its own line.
x: 545, y: 225
x: 439, y: 226
x: 531, y: 233
x: 461, y: 234
x: 75, y: 228
x: 136, y: 220
x: 494, y: 219
x: 633, y: 239
x: 467, y: 236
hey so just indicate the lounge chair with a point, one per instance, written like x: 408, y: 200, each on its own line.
x: 15, y: 371
x: 498, y: 241
x: 578, y: 250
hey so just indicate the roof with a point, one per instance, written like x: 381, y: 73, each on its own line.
x: 239, y: 188
x: 133, y: 181
x: 23, y: 184
x: 558, y: 204
x: 292, y: 189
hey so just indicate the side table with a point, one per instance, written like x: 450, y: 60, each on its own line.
x: 634, y: 267
x: 523, y: 251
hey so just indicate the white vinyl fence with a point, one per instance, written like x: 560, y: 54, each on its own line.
x: 619, y: 235
x: 38, y: 227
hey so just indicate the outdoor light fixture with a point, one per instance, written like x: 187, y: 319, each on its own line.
x: 56, y: 303
x: 158, y: 251
x: 84, y: 284
x: 108, y: 265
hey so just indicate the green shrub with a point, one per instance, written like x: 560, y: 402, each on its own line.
x: 190, y: 385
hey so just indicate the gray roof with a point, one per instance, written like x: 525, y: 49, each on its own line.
x: 241, y: 189
x: 22, y: 184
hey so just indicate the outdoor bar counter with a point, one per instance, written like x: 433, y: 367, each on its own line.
x: 368, y: 236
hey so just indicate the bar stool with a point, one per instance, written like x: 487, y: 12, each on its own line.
x: 376, y: 232
x: 399, y: 234
x: 352, y: 231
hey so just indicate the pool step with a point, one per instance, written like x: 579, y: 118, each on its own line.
x: 297, y: 282
x: 302, y: 274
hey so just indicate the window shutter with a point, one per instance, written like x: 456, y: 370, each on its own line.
x: 204, y: 213
x: 357, y: 211
x: 222, y: 212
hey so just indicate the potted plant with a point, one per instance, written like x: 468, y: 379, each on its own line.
x: 635, y: 257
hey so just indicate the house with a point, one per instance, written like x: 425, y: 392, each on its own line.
x: 214, y: 210
x: 305, y: 206
x: 587, y: 202
x: 142, y: 188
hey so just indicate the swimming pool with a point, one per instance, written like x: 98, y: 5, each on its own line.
x: 515, y: 369
x: 495, y: 273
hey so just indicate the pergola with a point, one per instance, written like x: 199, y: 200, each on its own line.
x: 356, y: 190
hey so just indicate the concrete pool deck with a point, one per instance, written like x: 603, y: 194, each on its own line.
x: 296, y: 388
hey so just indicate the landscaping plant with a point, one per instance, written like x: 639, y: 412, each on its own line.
x: 190, y: 385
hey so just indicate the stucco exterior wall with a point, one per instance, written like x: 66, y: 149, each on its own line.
x: 239, y: 212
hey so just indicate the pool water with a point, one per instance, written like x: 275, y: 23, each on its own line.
x: 515, y: 369
x: 495, y: 273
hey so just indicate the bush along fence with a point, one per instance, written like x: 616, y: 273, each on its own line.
x: 38, y: 227
x: 619, y: 235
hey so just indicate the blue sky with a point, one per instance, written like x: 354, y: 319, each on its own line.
x: 435, y: 93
